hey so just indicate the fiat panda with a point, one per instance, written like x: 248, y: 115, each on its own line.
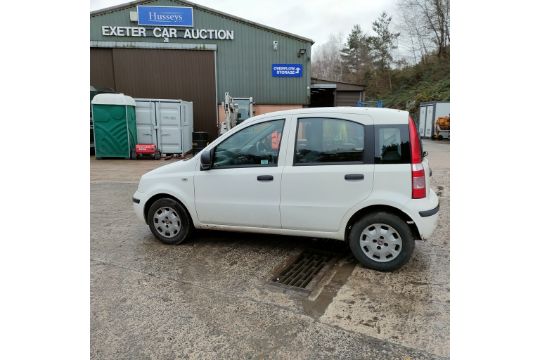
x: 357, y: 175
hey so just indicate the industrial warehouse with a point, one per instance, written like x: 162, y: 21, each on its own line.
x: 167, y: 49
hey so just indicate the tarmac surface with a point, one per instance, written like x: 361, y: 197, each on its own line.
x: 212, y: 297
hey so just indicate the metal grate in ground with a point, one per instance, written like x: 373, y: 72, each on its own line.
x: 304, y: 269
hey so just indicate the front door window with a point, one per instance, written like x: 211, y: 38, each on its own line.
x: 255, y: 146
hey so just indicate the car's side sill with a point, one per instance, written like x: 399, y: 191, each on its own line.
x: 260, y: 230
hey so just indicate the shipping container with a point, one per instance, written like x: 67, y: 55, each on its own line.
x: 166, y: 123
x: 428, y: 114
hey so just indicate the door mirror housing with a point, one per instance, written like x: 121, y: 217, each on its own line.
x: 206, y: 159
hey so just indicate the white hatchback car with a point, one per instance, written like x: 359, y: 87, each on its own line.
x: 352, y: 174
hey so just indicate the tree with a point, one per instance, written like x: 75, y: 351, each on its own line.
x: 326, y: 62
x: 427, y: 23
x: 356, y: 56
x: 382, y: 45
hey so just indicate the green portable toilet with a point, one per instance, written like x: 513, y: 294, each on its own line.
x: 115, y: 128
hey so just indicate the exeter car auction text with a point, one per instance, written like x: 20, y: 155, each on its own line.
x: 132, y: 31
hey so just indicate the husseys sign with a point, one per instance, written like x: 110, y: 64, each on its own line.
x: 165, y: 16
x: 168, y: 22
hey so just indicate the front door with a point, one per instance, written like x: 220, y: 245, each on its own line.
x: 330, y: 171
x: 145, y: 114
x: 422, y: 122
x: 243, y: 186
x: 169, y: 127
x: 429, y: 121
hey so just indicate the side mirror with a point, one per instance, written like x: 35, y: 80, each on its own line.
x: 206, y: 159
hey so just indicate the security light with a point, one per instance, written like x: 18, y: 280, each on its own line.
x: 301, y: 52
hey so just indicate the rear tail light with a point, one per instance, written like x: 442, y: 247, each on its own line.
x: 417, y: 169
x: 418, y: 181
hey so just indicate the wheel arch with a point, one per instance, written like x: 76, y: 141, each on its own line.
x: 156, y: 197
x: 384, y: 208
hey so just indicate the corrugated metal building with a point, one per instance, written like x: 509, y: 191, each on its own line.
x: 198, y: 61
x: 335, y: 93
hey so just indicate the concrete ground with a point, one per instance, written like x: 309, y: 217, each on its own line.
x: 211, y: 297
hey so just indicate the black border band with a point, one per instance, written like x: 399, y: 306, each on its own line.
x: 429, y: 212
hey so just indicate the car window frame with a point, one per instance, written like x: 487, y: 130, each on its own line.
x: 284, y: 119
x: 368, y: 152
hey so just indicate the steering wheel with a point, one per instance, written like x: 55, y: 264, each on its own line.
x: 261, y: 148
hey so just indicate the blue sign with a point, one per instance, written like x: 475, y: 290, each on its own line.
x: 165, y: 16
x: 287, y: 70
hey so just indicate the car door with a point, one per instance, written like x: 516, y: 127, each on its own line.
x: 243, y: 186
x: 329, y: 171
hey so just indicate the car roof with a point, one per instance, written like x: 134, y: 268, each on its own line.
x: 379, y: 115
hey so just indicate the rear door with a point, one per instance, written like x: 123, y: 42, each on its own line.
x: 329, y: 171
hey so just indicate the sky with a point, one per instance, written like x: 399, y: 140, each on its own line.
x: 314, y: 19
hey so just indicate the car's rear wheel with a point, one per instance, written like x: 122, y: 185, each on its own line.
x: 169, y: 221
x: 381, y: 241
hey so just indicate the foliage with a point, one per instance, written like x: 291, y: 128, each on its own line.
x: 370, y: 58
x: 383, y: 43
x: 426, y: 81
x: 356, y: 56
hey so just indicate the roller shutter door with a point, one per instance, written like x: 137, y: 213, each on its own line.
x: 161, y: 74
x: 347, y: 98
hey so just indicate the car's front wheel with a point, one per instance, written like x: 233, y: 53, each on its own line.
x: 381, y: 241
x: 169, y: 221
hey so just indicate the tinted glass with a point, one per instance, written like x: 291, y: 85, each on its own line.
x: 257, y: 145
x: 392, y: 144
x: 326, y: 141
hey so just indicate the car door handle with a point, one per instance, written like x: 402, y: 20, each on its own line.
x: 354, y: 177
x: 265, y: 178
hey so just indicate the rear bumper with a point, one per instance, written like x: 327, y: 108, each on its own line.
x: 426, y: 214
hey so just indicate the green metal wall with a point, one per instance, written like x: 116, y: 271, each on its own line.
x: 244, y: 65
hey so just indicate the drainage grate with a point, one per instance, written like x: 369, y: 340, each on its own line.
x: 302, y: 271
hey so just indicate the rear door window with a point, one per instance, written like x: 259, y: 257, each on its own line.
x: 326, y: 141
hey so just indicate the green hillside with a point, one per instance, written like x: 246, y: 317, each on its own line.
x: 427, y: 81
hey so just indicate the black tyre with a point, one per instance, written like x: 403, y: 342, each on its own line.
x: 157, y: 155
x: 169, y: 221
x: 381, y: 241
